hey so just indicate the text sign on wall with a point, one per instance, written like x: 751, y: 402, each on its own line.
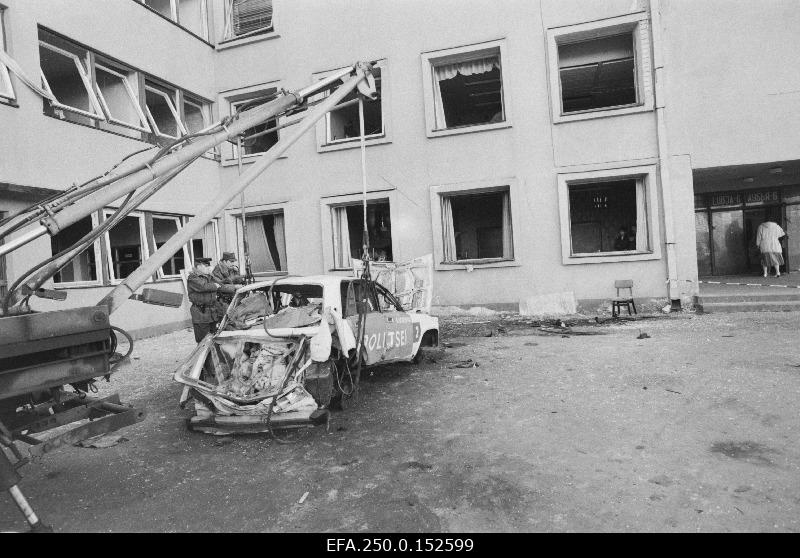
x: 759, y: 198
x: 727, y: 198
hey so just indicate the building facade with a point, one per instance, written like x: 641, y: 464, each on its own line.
x: 536, y: 149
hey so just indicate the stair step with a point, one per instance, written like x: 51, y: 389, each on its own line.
x: 771, y: 297
x: 761, y: 306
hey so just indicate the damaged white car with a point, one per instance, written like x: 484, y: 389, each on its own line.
x: 290, y: 348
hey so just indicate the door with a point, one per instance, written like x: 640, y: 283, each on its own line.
x: 727, y: 235
x: 703, y: 243
x: 410, y: 282
x: 388, y: 331
x: 792, y: 240
x: 752, y: 219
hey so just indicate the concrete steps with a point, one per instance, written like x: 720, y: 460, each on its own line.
x: 788, y: 302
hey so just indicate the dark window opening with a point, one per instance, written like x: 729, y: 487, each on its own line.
x: 597, y: 74
x: 163, y: 230
x: 606, y: 217
x: 471, y: 99
x: 65, y: 73
x: 345, y: 123
x: 163, y: 114
x: 82, y: 267
x: 261, y: 142
x: 126, y: 247
x: 379, y: 228
x: 481, y: 226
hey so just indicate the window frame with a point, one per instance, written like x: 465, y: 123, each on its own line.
x: 230, y: 99
x: 322, y: 132
x: 153, y: 87
x: 647, y: 174
x: 178, y: 219
x: 7, y: 93
x: 108, y: 212
x: 328, y: 203
x: 463, y: 53
x: 98, y: 259
x: 86, y: 78
x: 175, y: 17
x: 227, y: 32
x: 235, y: 216
x: 190, y: 244
x: 510, y: 185
x: 144, y: 125
x: 635, y: 23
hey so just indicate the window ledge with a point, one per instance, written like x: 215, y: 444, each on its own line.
x: 8, y: 102
x: 468, y: 129
x: 77, y: 285
x: 232, y: 43
x: 470, y: 265
x: 611, y: 257
x: 602, y: 113
x: 355, y: 143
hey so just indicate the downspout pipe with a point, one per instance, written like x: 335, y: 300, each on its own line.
x: 120, y: 294
x: 673, y: 288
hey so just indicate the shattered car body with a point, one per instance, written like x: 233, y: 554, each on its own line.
x: 288, y: 349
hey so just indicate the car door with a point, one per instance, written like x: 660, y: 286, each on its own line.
x: 388, y: 330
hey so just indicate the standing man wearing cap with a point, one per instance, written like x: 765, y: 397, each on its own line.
x: 226, y: 273
x: 203, y: 296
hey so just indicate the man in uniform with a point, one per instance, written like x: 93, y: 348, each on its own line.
x: 203, y: 296
x: 226, y: 272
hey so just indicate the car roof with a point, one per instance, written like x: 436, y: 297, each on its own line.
x: 327, y: 281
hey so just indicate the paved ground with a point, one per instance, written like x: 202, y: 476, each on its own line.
x: 692, y: 429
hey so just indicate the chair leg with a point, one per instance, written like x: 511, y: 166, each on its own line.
x: 634, y: 307
x: 628, y: 307
x: 613, y: 309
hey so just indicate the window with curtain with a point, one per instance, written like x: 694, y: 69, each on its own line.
x: 468, y: 90
x: 597, y: 73
x: 348, y: 230
x: 266, y: 242
x: 608, y: 217
x: 477, y: 226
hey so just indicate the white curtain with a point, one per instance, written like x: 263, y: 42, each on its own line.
x: 641, y: 216
x: 449, y: 71
x: 280, y: 240
x: 508, y: 238
x: 448, y: 231
x: 341, y: 239
x: 260, y: 258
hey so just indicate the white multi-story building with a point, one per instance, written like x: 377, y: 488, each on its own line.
x: 534, y: 148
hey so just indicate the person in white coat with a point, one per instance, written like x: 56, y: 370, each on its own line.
x: 768, y: 238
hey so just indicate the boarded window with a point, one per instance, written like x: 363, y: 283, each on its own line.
x: 597, y: 73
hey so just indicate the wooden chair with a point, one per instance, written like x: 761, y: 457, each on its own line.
x: 619, y: 301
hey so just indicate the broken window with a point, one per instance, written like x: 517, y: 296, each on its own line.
x: 65, y: 74
x: 118, y: 97
x: 161, y: 111
x: 348, y: 227
x: 477, y: 226
x: 126, y: 245
x: 256, y: 139
x: 467, y: 89
x: 608, y: 216
x: 83, y: 268
x: 247, y: 17
x: 266, y: 242
x: 204, y: 242
x: 344, y: 123
x: 6, y: 90
x: 597, y: 73
x: 165, y: 228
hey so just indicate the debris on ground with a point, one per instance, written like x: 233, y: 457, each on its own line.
x: 642, y: 335
x: 100, y: 442
x: 469, y: 363
x: 303, y: 498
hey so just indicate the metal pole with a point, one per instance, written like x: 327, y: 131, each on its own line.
x: 365, y: 234
x: 248, y: 273
x: 120, y: 294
